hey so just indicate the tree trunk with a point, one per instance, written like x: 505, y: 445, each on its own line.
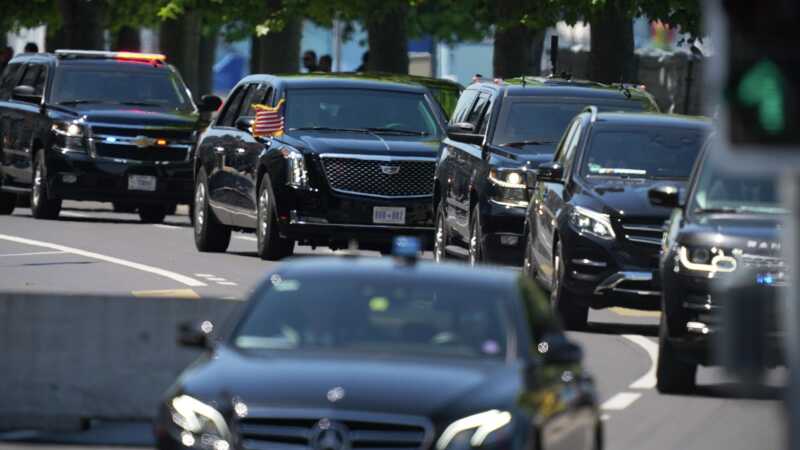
x: 387, y: 34
x: 537, y: 50
x: 512, y: 42
x: 179, y: 39
x: 208, y: 52
x: 127, y: 39
x: 82, y: 24
x: 54, y: 39
x: 611, y: 57
x: 278, y: 51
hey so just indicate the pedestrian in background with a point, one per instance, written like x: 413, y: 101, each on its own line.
x: 310, y: 61
x: 31, y: 47
x: 325, y: 63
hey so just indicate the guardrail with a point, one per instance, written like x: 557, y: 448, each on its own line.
x: 67, y: 359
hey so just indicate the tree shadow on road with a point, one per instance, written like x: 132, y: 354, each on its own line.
x: 622, y: 328
x: 733, y: 390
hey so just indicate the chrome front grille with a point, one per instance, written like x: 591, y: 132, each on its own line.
x: 644, y: 231
x: 378, y: 176
x: 128, y: 143
x: 360, y: 431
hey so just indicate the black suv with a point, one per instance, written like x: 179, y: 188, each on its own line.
x: 724, y: 224
x: 100, y: 126
x: 498, y: 132
x: 356, y: 163
x: 592, y: 237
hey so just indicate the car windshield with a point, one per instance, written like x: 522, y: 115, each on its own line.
x: 381, y: 111
x: 156, y: 88
x: 720, y: 191
x: 531, y: 124
x: 642, y: 152
x: 379, y: 317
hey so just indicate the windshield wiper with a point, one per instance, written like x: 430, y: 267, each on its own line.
x: 354, y: 130
x: 397, y: 131
x: 527, y: 142
x: 717, y: 210
x: 82, y: 102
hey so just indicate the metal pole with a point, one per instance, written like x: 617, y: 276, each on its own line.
x: 791, y: 307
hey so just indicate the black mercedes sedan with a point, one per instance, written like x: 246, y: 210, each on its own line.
x: 724, y: 226
x: 370, y: 353
x: 355, y: 163
x: 592, y: 235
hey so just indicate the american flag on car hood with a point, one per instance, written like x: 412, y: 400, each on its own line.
x: 269, y: 120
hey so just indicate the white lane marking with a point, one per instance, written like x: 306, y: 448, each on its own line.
x: 620, y: 401
x: 32, y: 254
x: 227, y: 283
x: 215, y: 279
x: 168, y: 227
x: 74, y: 214
x: 604, y: 417
x: 246, y: 238
x: 204, y: 275
x: 183, y: 279
x: 648, y: 380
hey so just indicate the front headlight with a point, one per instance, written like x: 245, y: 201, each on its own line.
x: 591, y: 222
x: 479, y: 426
x: 509, y: 187
x: 201, y: 426
x: 706, y: 260
x: 70, y: 135
x: 296, y: 174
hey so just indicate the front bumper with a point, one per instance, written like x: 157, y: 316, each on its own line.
x: 78, y: 176
x: 317, y: 217
x: 503, y: 234
x: 606, y: 273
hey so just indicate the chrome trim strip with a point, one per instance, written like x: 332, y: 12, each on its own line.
x: 141, y: 127
x: 637, y: 292
x: 342, y: 191
x: 359, y: 226
x: 589, y: 262
x: 644, y: 240
x: 376, y: 157
x: 653, y: 228
x: 611, y: 283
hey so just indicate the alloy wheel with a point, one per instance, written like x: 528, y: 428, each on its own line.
x: 36, y: 195
x: 439, y: 244
x: 199, y: 205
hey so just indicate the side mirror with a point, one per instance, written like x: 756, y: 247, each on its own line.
x: 464, y: 132
x: 195, y: 334
x: 209, y: 103
x: 550, y: 171
x: 666, y: 196
x: 555, y: 348
x: 245, y: 123
x: 26, y: 93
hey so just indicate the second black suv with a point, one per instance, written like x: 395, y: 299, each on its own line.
x: 498, y: 132
x: 593, y: 238
x: 100, y: 126
x: 355, y: 163
x: 725, y: 225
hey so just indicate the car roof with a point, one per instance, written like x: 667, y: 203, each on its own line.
x: 99, y: 63
x: 652, y: 119
x: 336, y: 80
x: 561, y: 87
x: 370, y: 268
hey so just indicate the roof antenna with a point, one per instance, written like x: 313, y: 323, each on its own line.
x: 523, y: 81
x: 554, y: 54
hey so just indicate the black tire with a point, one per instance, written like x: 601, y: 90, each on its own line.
x: 673, y: 375
x: 574, y: 313
x: 23, y: 201
x: 441, y: 237
x: 152, y: 213
x: 123, y: 207
x: 172, y: 209
x: 270, y: 245
x: 7, y: 203
x: 476, y: 251
x: 42, y: 206
x: 210, y: 235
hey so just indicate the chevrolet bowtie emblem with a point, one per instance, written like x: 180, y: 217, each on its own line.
x: 143, y: 141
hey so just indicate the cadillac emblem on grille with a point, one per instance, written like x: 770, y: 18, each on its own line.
x: 328, y: 435
x: 390, y: 170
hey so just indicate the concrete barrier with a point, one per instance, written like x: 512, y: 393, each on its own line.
x: 67, y: 359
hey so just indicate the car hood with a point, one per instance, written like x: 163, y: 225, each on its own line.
x: 366, y: 144
x: 625, y: 197
x: 752, y: 233
x: 132, y: 115
x: 419, y: 387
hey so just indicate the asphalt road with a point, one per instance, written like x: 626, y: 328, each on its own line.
x: 92, y: 250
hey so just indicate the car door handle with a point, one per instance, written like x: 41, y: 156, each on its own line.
x: 240, y: 150
x: 219, y: 149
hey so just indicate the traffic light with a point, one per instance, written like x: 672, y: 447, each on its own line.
x: 761, y: 94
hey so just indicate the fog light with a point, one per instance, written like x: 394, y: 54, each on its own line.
x: 69, y: 178
x: 187, y: 439
x: 509, y: 240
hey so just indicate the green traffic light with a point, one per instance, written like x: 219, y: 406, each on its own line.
x: 762, y: 86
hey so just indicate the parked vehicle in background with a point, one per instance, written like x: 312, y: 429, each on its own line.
x: 499, y: 132
x: 355, y: 163
x: 98, y: 126
x: 406, y: 355
x: 592, y: 237
x: 723, y: 224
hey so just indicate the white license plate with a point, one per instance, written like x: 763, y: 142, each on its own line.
x: 389, y: 214
x: 141, y: 183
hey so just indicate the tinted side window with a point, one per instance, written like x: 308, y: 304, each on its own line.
x: 565, y: 143
x: 229, y: 115
x: 478, y: 110
x: 258, y: 94
x: 9, y: 80
x: 31, y: 75
x: 463, y: 107
x: 38, y: 86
